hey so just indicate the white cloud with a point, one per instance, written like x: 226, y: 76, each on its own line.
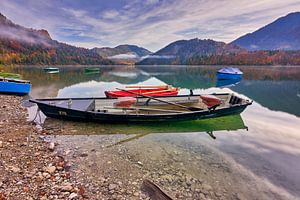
x: 124, y: 56
x: 110, y: 14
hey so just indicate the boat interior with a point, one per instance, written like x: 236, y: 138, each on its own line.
x: 13, y: 80
x: 143, y: 105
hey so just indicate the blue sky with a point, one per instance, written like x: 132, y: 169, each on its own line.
x: 148, y: 23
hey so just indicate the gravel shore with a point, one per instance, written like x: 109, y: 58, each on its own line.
x: 31, y: 168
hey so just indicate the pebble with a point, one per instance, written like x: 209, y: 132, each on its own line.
x: 73, y: 195
x: 15, y: 169
x: 134, y: 183
x: 51, y: 169
x: 136, y: 194
x: 202, y: 196
x: 112, y: 186
x: 67, y: 187
x: 140, y: 163
x: 51, y: 146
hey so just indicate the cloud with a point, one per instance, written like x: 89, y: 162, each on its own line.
x: 124, y: 56
x: 151, y: 24
x: 17, y: 33
x: 158, y: 56
x: 110, y: 14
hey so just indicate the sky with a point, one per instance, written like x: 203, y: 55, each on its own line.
x: 148, y: 23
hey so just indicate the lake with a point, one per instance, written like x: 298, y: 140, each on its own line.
x: 255, y: 154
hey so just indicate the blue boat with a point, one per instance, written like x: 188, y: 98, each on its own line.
x: 14, y: 86
x: 229, y: 73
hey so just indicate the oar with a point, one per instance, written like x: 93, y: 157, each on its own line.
x: 163, y: 101
x: 150, y: 86
x: 160, y: 91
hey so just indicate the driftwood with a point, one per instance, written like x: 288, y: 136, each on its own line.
x: 154, y: 192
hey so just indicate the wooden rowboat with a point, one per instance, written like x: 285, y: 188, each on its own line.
x: 144, y: 110
x: 154, y: 91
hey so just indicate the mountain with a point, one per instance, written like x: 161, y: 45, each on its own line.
x: 123, y: 53
x: 283, y: 33
x: 181, y: 51
x: 20, y: 45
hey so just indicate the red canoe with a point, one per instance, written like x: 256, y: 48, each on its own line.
x: 151, y: 91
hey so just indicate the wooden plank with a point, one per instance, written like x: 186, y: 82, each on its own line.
x: 154, y: 192
x: 145, y: 109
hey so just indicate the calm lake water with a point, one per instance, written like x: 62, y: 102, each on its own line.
x: 263, y: 142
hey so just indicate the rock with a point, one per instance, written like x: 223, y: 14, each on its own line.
x: 240, y: 197
x: 43, y: 198
x: 67, y: 187
x: 143, y: 196
x: 112, y: 186
x: 73, y: 195
x: 202, y: 196
x: 134, y: 183
x: 83, y: 155
x: 51, y: 146
x: 218, y: 194
x: 1, y: 144
x: 140, y: 163
x: 206, y: 187
x: 136, y: 194
x: 15, y: 169
x: 51, y: 169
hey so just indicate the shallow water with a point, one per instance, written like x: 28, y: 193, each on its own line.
x: 263, y: 143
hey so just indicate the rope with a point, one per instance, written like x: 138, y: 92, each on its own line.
x: 37, y: 114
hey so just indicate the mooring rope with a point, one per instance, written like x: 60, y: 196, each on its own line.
x: 37, y: 114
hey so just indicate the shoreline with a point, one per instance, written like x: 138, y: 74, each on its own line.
x: 31, y: 168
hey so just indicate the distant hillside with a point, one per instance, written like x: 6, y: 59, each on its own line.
x: 283, y: 34
x: 123, y: 53
x: 20, y: 45
x: 181, y: 51
x: 277, y: 57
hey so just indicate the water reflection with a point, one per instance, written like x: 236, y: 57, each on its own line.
x: 228, y: 82
x: 209, y: 126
